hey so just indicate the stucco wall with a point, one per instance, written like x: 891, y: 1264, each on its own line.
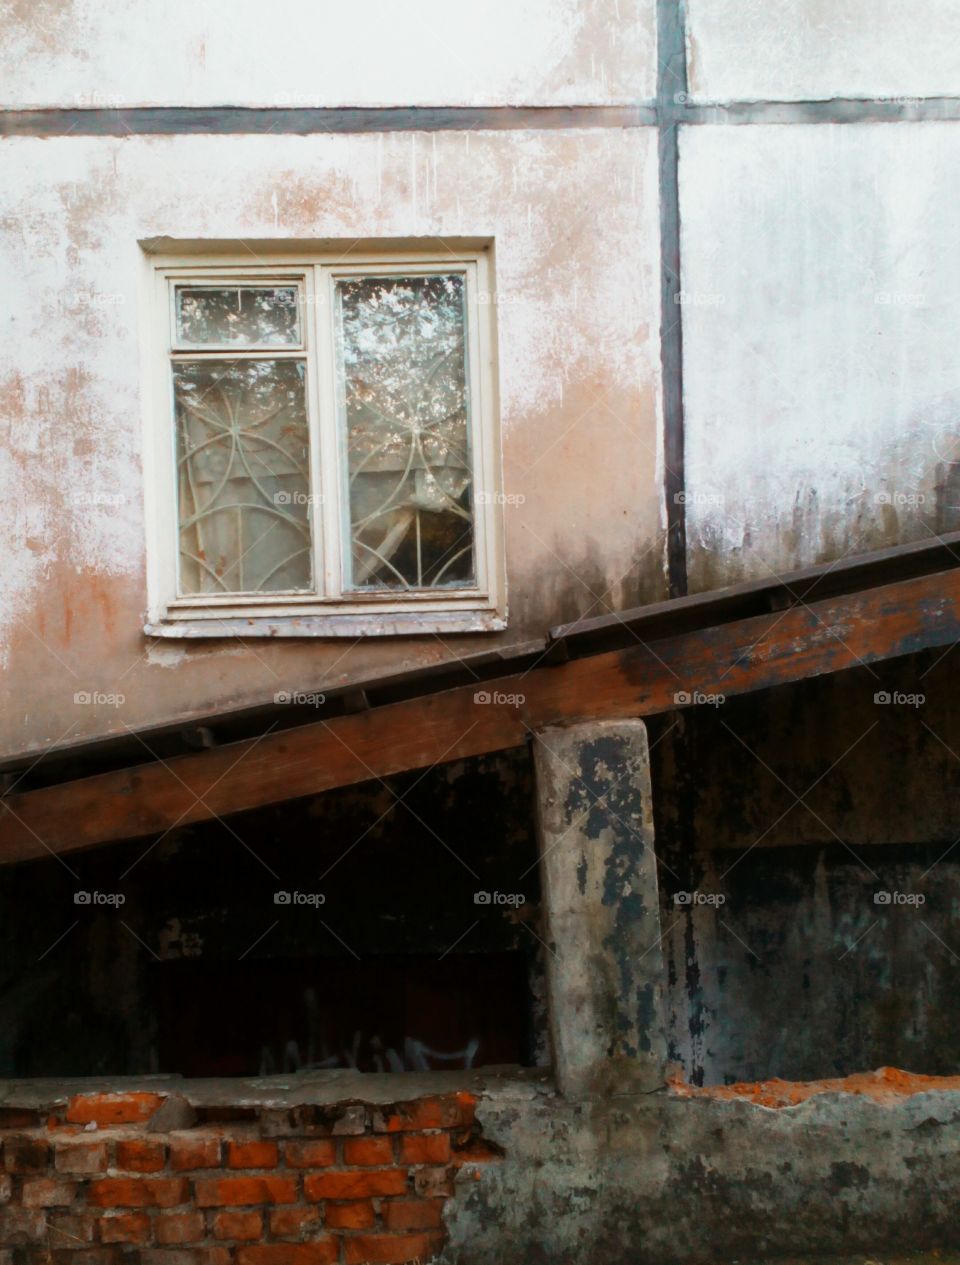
x: 819, y: 284
x: 821, y: 281
x: 108, y: 53
x: 809, y: 49
x: 578, y: 345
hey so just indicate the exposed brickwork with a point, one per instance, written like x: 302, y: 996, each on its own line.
x: 141, y: 1156
x: 345, y: 1184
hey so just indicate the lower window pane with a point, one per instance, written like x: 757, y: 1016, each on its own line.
x: 243, y: 476
x: 404, y: 406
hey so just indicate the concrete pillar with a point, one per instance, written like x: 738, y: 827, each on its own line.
x: 602, y: 910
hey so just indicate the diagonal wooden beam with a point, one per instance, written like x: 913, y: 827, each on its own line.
x: 733, y: 658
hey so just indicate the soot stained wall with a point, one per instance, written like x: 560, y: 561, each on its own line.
x: 825, y: 939
x: 199, y: 970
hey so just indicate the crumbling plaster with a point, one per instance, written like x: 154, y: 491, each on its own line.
x: 576, y: 299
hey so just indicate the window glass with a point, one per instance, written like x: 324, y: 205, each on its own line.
x: 237, y: 316
x: 404, y: 417
x: 243, y: 475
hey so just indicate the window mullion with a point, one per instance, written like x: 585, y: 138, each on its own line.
x: 329, y: 447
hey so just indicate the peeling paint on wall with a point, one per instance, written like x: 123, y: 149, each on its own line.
x: 576, y: 306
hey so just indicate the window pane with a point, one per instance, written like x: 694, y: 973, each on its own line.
x: 401, y: 353
x: 238, y: 316
x: 242, y: 465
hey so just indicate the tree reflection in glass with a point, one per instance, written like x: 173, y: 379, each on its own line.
x: 404, y: 415
x: 238, y: 316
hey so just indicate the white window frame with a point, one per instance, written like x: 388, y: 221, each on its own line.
x: 331, y: 610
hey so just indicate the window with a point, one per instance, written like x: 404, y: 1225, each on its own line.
x: 325, y: 444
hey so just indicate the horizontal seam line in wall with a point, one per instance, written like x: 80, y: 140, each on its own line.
x: 275, y: 120
x: 238, y: 120
x: 152, y: 120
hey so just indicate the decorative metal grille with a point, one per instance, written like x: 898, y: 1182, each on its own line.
x: 404, y: 413
x: 242, y: 446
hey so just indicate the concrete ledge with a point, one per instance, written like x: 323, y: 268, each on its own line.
x: 301, y: 1088
x: 661, y: 1179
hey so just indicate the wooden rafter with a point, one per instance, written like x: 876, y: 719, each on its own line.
x: 735, y: 657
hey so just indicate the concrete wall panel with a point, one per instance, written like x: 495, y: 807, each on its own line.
x: 821, y: 295
x: 787, y: 50
x: 302, y: 53
x: 577, y: 300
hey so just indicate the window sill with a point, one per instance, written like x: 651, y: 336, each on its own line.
x: 408, y: 623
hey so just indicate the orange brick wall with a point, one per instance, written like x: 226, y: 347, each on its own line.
x: 348, y: 1184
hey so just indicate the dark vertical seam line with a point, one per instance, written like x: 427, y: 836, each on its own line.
x: 671, y: 94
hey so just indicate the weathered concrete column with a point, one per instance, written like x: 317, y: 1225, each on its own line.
x: 602, y: 911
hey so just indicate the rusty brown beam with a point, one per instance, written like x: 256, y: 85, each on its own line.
x: 733, y: 658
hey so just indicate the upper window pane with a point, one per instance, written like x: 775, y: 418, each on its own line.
x: 238, y: 316
x: 404, y: 416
